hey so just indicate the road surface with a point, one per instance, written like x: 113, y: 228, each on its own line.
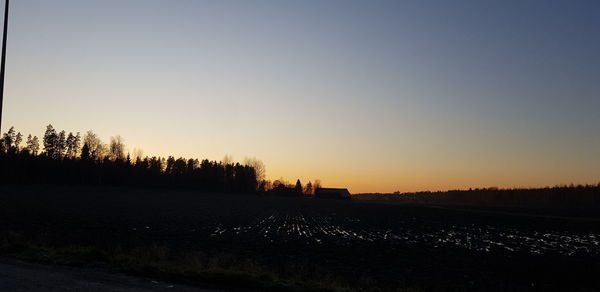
x: 16, y: 275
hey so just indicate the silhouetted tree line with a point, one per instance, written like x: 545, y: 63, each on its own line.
x: 282, y: 188
x: 73, y: 160
x: 559, y: 197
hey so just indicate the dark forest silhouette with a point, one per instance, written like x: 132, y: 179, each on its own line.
x: 73, y: 160
x: 67, y: 158
x: 557, y: 197
x: 61, y: 158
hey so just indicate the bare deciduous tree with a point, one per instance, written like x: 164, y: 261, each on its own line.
x: 137, y: 153
x: 308, y: 189
x: 117, y: 148
x: 95, y: 147
x: 317, y: 184
x: 259, y: 168
x: 227, y: 159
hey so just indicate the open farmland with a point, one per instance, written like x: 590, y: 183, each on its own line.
x: 362, y: 244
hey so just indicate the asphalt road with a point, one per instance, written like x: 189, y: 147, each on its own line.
x: 16, y: 275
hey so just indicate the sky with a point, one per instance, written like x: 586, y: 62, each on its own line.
x: 375, y: 96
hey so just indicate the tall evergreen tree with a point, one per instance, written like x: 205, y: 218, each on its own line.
x: 170, y: 164
x: 298, y: 188
x: 76, y: 144
x: 9, y: 138
x: 69, y: 143
x: 62, y: 143
x: 35, y: 145
x: 85, y: 152
x: 51, y: 142
x: 32, y: 145
x: 72, y: 145
x: 18, y: 140
x: 28, y: 144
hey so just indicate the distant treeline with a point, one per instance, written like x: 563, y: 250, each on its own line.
x: 70, y: 159
x: 558, y: 197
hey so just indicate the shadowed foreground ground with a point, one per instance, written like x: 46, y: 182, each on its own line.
x: 272, y: 243
x: 17, y: 276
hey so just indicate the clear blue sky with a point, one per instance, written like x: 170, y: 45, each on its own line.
x: 371, y: 95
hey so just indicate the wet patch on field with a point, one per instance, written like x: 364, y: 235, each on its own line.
x: 318, y: 230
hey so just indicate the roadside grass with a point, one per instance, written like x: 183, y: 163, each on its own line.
x: 218, y: 270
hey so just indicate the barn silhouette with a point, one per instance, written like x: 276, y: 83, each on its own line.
x: 333, y: 193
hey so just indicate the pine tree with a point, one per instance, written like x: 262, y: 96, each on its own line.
x: 76, y: 144
x: 28, y: 143
x: 85, y: 152
x: 170, y: 164
x: 70, y: 143
x: 62, y: 143
x: 35, y: 145
x: 32, y: 145
x: 18, y: 139
x: 9, y: 138
x: 51, y: 142
x: 298, y: 188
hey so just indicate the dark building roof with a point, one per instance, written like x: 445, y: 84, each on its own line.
x: 332, y: 193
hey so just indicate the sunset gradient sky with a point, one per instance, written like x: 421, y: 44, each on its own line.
x: 376, y: 96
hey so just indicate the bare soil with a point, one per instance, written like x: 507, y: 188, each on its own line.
x: 361, y: 244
